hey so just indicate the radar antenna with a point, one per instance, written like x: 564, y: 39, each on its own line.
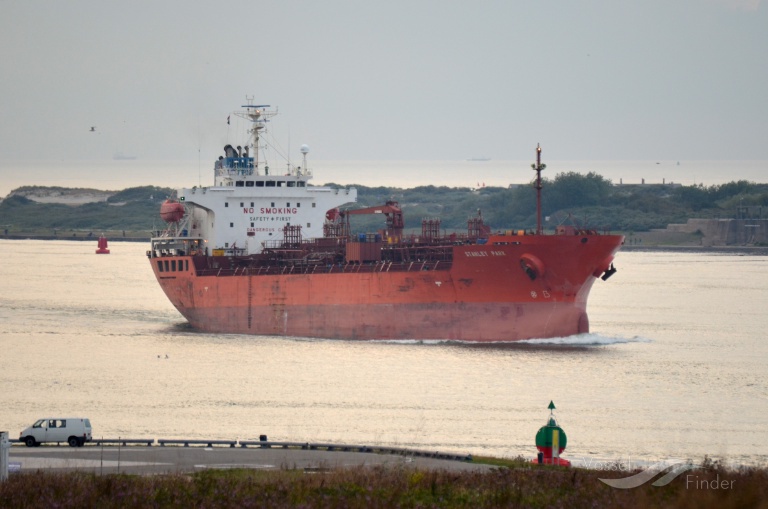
x: 258, y: 115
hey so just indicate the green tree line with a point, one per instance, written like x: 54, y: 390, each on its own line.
x: 587, y: 200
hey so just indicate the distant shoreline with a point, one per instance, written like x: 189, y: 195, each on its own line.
x: 750, y: 250
x: 93, y: 238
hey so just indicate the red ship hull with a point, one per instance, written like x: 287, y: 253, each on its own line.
x: 508, y: 289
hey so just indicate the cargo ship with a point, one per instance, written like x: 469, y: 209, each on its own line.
x: 263, y: 252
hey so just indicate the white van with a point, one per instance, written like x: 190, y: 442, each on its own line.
x: 74, y: 430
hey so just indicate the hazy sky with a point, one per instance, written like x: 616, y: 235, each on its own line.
x: 395, y: 79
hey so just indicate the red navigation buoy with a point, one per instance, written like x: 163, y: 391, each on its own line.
x: 550, y: 441
x: 102, y: 246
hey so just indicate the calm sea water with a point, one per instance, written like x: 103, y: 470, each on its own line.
x: 675, y: 366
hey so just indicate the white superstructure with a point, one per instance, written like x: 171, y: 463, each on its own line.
x: 250, y: 204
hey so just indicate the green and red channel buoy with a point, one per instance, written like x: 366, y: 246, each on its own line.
x: 551, y: 441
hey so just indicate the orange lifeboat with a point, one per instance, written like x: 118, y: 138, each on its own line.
x: 171, y: 211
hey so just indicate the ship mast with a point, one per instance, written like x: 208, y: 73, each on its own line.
x: 538, y: 167
x: 258, y: 115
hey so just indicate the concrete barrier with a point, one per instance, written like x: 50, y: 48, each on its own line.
x: 123, y: 441
x: 263, y: 444
x: 186, y: 442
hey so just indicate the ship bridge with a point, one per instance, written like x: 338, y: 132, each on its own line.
x: 251, y: 203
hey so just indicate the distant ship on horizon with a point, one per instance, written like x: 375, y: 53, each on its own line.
x: 119, y: 156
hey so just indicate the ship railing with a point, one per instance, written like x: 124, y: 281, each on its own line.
x: 327, y: 268
x: 174, y: 246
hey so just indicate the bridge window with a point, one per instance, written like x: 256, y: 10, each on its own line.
x: 239, y: 183
x: 231, y: 225
x: 226, y: 204
x: 271, y: 183
x: 291, y: 183
x: 173, y: 265
x: 160, y: 265
x: 249, y: 183
x: 259, y: 183
x: 300, y: 183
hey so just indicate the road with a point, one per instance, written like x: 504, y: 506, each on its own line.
x: 180, y: 459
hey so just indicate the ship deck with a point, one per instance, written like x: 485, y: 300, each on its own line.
x: 168, y: 265
x: 348, y: 268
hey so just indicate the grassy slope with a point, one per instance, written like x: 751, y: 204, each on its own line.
x: 373, y: 487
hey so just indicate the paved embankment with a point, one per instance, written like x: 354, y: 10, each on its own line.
x: 174, y: 459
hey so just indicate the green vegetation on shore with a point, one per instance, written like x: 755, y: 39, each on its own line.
x: 570, y: 198
x: 134, y: 211
x: 529, y: 486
